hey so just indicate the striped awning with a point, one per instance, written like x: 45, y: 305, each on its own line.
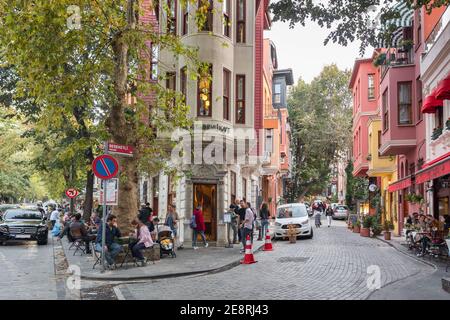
x: 405, y: 19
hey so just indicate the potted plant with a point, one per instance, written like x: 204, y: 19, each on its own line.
x: 366, y: 223
x: 436, y: 133
x: 387, y: 226
x: 379, y: 60
x: 406, y: 44
x: 376, y: 228
x: 357, y: 227
x: 292, y: 233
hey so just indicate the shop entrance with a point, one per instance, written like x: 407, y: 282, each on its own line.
x: 206, y: 196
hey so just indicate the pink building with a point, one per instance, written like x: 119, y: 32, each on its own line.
x: 364, y: 87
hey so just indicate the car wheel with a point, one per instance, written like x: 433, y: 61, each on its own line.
x: 42, y: 242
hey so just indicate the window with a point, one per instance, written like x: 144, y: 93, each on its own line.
x: 371, y: 86
x: 183, y: 81
x: 240, y: 21
x: 439, y: 117
x: 244, y: 189
x: 171, y: 85
x: 379, y: 142
x: 204, y: 94
x: 277, y: 93
x: 185, y: 19
x: 385, y: 110
x: 419, y: 99
x: 226, y: 18
x: 208, y: 25
x: 269, y: 140
x: 233, y: 187
x: 172, y: 17
x: 226, y: 94
x: 154, y: 62
x: 240, y: 99
x: 404, y: 103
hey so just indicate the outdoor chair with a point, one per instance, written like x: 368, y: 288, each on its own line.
x: 78, y: 243
x: 97, y: 256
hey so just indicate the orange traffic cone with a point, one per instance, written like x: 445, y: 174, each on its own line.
x: 268, y: 244
x: 248, y: 258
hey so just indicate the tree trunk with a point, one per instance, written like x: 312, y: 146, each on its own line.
x: 89, y: 196
x: 123, y: 131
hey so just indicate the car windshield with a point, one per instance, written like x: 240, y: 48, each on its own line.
x: 341, y: 208
x: 22, y: 215
x: 292, y: 212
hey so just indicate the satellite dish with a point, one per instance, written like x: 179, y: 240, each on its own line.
x: 373, y: 188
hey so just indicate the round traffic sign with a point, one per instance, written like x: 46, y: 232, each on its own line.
x: 72, y: 193
x: 105, y: 167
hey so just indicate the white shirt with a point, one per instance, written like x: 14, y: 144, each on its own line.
x: 54, y: 215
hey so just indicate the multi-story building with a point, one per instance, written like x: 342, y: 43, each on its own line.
x: 435, y: 75
x: 363, y: 84
x: 228, y: 104
x: 276, y: 158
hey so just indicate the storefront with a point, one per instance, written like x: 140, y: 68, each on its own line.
x: 436, y: 175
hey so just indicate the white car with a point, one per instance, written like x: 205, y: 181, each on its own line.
x: 294, y: 213
x: 341, y: 212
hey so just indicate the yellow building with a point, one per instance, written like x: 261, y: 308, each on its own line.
x: 384, y: 168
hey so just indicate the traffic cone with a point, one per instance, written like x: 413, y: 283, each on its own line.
x: 248, y: 258
x: 268, y: 244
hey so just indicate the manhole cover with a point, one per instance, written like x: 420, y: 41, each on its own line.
x: 293, y: 259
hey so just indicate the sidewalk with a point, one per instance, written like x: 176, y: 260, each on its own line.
x: 187, y: 262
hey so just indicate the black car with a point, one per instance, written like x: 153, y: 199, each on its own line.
x: 4, y: 207
x: 23, y: 224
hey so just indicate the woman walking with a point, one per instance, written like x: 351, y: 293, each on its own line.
x: 317, y: 218
x: 199, y: 227
x: 329, y: 214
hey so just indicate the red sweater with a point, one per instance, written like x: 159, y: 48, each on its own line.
x: 199, y: 220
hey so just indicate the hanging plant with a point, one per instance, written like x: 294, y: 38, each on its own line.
x: 447, y: 124
x: 436, y: 133
x: 379, y: 60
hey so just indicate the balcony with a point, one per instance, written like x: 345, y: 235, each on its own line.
x: 394, y: 58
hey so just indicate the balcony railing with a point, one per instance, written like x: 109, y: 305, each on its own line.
x: 397, y: 57
x: 437, y: 31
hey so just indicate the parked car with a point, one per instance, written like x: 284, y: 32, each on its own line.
x: 23, y: 224
x: 334, y: 205
x: 295, y: 213
x: 341, y: 212
x: 309, y: 209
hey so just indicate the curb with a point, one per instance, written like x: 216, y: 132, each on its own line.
x: 223, y: 268
x: 446, y: 284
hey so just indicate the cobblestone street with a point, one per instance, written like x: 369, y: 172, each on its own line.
x: 333, y: 265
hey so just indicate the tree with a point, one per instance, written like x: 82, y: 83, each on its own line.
x: 78, y: 58
x: 349, y: 20
x: 320, y: 120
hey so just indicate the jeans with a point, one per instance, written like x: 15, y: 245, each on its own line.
x: 245, y: 232
x: 136, y: 250
x: 194, y: 237
x: 235, y: 231
x: 329, y: 220
x: 264, y: 227
x: 113, y: 250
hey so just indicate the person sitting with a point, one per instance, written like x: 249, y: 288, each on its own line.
x: 66, y: 230
x: 78, y: 231
x: 144, y: 240
x: 112, y: 248
x: 154, y: 229
x: 95, y: 220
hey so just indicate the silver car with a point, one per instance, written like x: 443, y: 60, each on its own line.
x: 340, y: 212
x: 296, y: 214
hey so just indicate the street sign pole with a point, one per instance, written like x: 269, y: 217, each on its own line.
x: 104, y: 215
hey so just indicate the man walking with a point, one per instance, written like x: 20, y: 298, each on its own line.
x: 329, y: 214
x: 241, y: 213
x: 247, y: 225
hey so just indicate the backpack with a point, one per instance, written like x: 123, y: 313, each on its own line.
x: 193, y: 223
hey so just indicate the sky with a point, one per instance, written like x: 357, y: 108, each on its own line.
x: 302, y: 50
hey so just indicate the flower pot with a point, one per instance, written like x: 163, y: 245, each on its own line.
x: 292, y: 239
x: 356, y: 229
x: 365, y: 232
x: 387, y: 235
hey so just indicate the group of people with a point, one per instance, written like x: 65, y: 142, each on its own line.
x: 244, y: 221
x: 425, y: 225
x: 319, y: 208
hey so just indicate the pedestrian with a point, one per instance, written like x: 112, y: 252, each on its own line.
x: 234, y: 223
x: 329, y: 215
x: 145, y: 215
x: 143, y: 241
x: 317, y: 218
x: 264, y: 215
x: 247, y: 226
x: 241, y: 213
x: 172, y: 221
x: 199, y: 227
x: 54, y: 216
x: 112, y: 248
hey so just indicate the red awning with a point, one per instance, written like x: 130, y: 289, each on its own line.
x: 434, y: 171
x: 431, y: 103
x: 400, y: 185
x: 443, y: 89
